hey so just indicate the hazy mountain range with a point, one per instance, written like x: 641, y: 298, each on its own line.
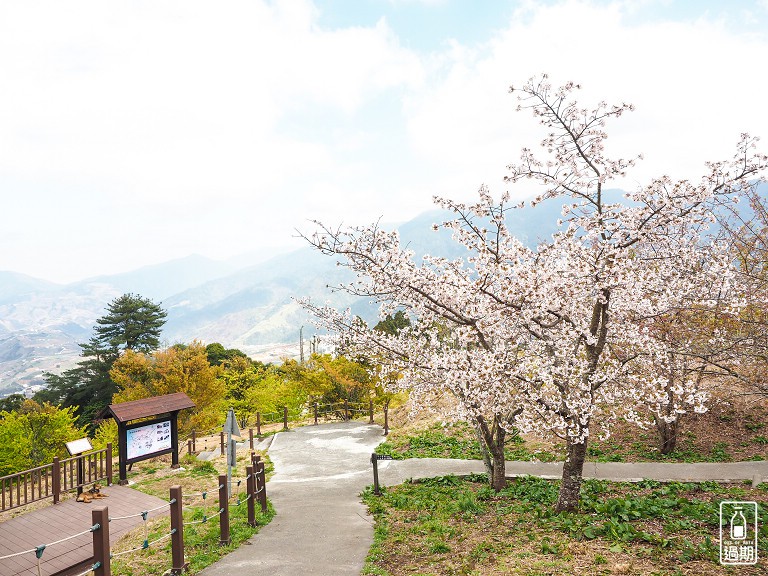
x: 246, y: 303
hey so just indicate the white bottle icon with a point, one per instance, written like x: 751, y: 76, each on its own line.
x: 738, y: 525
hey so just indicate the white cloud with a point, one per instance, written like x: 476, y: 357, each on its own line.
x: 696, y: 87
x: 131, y: 133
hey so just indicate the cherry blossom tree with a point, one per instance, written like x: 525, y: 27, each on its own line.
x: 547, y: 338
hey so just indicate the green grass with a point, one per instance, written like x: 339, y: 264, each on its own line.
x: 201, y: 539
x: 455, y: 440
x: 449, y: 525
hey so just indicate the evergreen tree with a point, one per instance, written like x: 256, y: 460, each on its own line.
x: 131, y: 323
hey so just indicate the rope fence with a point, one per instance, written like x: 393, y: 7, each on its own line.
x: 255, y: 481
x: 314, y: 412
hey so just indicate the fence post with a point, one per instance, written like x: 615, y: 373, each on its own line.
x: 80, y: 473
x: 109, y: 463
x: 375, y: 462
x: 258, y: 423
x: 386, y: 419
x: 56, y: 480
x: 370, y: 411
x: 315, y: 413
x: 285, y: 418
x: 250, y: 487
x: 250, y: 437
x: 221, y: 438
x: 177, y: 532
x: 261, y: 485
x: 224, y: 508
x: 101, y: 555
x: 346, y: 410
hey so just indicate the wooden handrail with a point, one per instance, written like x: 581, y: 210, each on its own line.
x: 52, y: 480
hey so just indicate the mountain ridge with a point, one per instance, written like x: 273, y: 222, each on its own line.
x: 252, y: 307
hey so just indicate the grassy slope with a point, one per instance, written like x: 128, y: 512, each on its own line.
x: 201, y: 540
x: 453, y: 526
x: 447, y: 526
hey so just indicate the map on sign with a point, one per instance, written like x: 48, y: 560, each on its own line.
x: 148, y: 439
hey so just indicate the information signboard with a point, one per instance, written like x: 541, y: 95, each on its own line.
x: 148, y: 439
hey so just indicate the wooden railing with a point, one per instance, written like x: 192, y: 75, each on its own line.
x: 54, y: 479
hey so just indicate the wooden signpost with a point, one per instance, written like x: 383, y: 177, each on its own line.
x: 147, y: 428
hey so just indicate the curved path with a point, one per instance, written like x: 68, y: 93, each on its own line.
x: 321, y: 527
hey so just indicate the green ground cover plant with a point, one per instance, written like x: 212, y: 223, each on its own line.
x: 201, y: 539
x: 450, y: 526
x: 454, y: 440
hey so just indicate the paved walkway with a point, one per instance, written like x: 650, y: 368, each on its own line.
x: 322, y: 528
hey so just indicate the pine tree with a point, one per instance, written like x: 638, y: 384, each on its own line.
x: 131, y: 323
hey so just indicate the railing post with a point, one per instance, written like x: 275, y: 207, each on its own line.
x: 55, y: 480
x: 386, y: 419
x: 224, y: 538
x: 101, y: 555
x: 189, y: 446
x: 315, y: 413
x: 250, y: 437
x: 80, y: 473
x: 250, y: 487
x: 109, y: 463
x: 375, y: 462
x: 261, y: 484
x: 285, y: 418
x: 370, y: 411
x: 346, y: 410
x: 177, y: 532
x: 221, y: 438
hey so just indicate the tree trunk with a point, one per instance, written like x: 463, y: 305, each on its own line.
x: 498, y: 479
x: 667, y: 435
x: 484, y: 451
x: 570, y: 486
x: 492, y: 447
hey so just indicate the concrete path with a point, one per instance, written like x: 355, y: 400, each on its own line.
x: 322, y: 528
x: 393, y: 472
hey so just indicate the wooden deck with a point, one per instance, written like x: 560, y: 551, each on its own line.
x: 52, y: 523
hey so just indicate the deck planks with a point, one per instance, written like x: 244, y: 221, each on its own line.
x: 52, y: 523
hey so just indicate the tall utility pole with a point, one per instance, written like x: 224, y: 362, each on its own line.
x: 301, y: 344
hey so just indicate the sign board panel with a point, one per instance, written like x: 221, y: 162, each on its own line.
x: 149, y: 439
x: 79, y: 446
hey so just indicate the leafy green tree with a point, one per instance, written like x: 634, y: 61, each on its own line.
x: 218, y: 355
x: 132, y: 323
x: 34, y: 434
x: 392, y: 325
x: 11, y: 402
x: 175, y: 369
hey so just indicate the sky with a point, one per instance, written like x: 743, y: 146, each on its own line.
x: 133, y: 133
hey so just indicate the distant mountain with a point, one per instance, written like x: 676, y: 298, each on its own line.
x: 14, y: 286
x: 248, y: 304
x: 160, y: 281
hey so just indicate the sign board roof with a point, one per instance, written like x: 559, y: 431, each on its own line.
x: 146, y: 407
